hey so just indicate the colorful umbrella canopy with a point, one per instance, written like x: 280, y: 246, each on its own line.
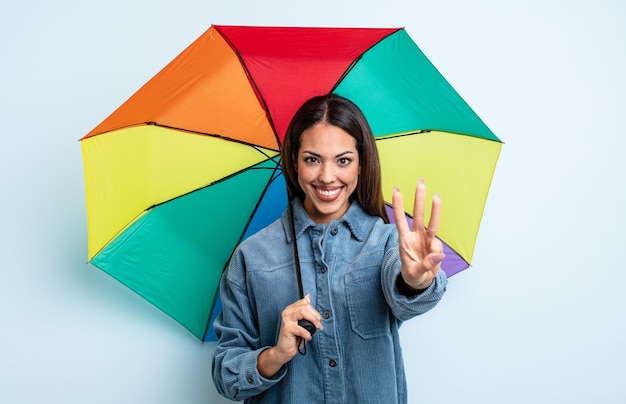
x: 189, y: 165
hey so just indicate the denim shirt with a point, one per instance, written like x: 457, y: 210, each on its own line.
x: 350, y: 268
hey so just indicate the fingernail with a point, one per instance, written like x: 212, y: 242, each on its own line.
x: 421, y: 180
x: 436, y: 195
x: 396, y: 189
x: 438, y: 258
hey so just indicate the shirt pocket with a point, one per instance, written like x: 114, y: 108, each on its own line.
x: 367, y: 307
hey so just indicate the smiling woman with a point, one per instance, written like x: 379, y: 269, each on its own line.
x: 364, y: 277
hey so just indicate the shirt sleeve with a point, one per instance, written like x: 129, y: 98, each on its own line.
x: 235, y: 372
x: 406, y: 307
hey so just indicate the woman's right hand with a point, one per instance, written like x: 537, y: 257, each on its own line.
x: 271, y: 360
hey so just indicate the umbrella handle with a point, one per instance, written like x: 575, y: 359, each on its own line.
x: 307, y: 325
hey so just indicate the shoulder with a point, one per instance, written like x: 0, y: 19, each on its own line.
x: 367, y: 227
x: 270, y: 235
x: 253, y: 250
x: 382, y: 234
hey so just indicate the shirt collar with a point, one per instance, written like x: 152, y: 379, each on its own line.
x: 355, y: 218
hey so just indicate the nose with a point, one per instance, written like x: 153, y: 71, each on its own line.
x: 327, y: 174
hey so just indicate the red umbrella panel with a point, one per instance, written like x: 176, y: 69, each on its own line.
x: 189, y: 165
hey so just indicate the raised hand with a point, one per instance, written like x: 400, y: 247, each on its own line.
x: 421, y: 252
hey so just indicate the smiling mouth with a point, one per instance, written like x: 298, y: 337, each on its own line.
x: 327, y: 193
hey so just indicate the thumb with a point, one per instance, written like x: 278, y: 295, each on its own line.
x: 437, y: 258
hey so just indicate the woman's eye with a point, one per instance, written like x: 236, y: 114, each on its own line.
x: 310, y: 160
x: 344, y: 161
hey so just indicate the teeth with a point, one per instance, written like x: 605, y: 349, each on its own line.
x: 328, y: 193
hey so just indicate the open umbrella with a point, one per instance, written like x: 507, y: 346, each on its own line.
x: 189, y: 165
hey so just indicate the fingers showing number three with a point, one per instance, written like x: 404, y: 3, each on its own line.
x: 421, y: 251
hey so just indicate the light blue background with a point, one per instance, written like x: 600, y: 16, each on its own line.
x: 539, y: 318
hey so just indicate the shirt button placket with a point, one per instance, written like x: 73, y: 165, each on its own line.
x: 331, y: 376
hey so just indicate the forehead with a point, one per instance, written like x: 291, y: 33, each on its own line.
x: 323, y: 137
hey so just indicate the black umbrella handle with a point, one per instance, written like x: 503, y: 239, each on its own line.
x: 307, y: 325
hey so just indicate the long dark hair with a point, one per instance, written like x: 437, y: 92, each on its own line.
x: 343, y: 113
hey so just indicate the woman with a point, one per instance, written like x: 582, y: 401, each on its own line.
x: 363, y: 277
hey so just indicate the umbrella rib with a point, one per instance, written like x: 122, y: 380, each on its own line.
x: 253, y: 83
x: 215, y: 135
x: 393, y: 136
x: 245, y: 229
x: 357, y: 59
x: 380, y: 138
x: 212, y: 183
x: 195, y: 132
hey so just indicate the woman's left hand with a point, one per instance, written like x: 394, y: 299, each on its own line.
x: 421, y: 252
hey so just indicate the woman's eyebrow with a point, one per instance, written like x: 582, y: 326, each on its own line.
x: 319, y: 155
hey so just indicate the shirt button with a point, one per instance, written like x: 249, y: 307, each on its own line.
x: 334, y: 231
x: 332, y: 363
x: 326, y: 314
x: 250, y: 379
x: 323, y: 270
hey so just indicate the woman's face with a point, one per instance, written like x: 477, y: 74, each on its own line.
x: 328, y: 171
